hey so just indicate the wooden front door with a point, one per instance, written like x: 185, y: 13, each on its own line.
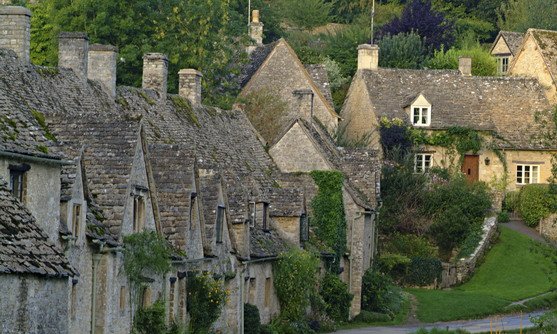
x: 470, y: 167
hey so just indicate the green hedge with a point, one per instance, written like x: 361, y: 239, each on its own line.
x: 423, y: 271
x: 252, y: 320
x: 511, y: 201
x: 535, y: 203
x: 380, y: 294
x: 336, y: 297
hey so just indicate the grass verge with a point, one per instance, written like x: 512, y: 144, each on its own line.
x: 514, y: 269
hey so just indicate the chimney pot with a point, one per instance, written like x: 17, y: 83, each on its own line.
x: 155, y: 73
x: 255, y: 16
x: 102, y: 66
x: 465, y: 66
x: 190, y: 85
x: 15, y: 31
x: 73, y: 49
x: 368, y: 57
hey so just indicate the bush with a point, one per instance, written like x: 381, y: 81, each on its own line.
x: 536, y: 203
x: 252, y: 320
x: 371, y: 317
x: 336, y: 297
x: 503, y: 217
x: 295, y: 275
x: 410, y: 245
x: 483, y: 64
x: 511, y: 201
x: 394, y: 265
x: 423, y: 271
x: 380, y: 294
x: 150, y: 320
x: 206, y: 297
x: 401, y: 51
x: 450, y: 228
x: 471, y: 241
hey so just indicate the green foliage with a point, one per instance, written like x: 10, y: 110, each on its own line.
x: 252, y: 320
x: 39, y: 117
x: 336, y: 79
x: 535, y: 203
x: 306, y: 14
x: 340, y: 136
x: 472, y: 240
x: 329, y: 221
x: 519, y: 15
x: 423, y: 271
x: 401, y: 51
x: 206, y: 298
x: 511, y: 201
x: 145, y: 253
x: 150, y: 320
x: 371, y: 317
x: 409, y: 245
x: 546, y: 323
x: 295, y: 274
x: 264, y: 109
x: 483, y: 64
x: 503, y: 217
x: 341, y: 47
x: 336, y: 296
x: 380, y: 294
x: 394, y: 265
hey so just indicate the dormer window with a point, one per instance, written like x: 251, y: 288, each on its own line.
x: 503, y: 64
x: 420, y: 111
x: 220, y: 222
x: 139, y: 194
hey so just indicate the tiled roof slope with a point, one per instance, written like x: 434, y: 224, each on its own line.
x: 265, y: 244
x: 20, y: 131
x: 318, y: 73
x: 24, y: 247
x: 513, y: 40
x: 547, y: 41
x: 256, y: 59
x: 506, y: 105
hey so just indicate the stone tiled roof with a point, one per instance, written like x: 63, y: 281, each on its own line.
x: 24, y: 246
x: 505, y: 105
x: 547, y: 41
x: 257, y: 58
x: 318, y: 73
x: 513, y: 40
x: 20, y: 131
x: 265, y: 244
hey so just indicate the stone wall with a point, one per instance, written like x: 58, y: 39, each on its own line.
x: 459, y: 272
x: 548, y: 227
x: 32, y: 304
x: 259, y: 290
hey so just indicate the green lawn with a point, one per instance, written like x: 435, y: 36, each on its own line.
x: 514, y: 269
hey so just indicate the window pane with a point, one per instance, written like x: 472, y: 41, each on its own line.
x: 416, y: 116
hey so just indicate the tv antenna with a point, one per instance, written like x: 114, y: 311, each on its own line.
x: 372, y: 17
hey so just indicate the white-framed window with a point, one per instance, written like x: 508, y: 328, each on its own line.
x: 422, y: 162
x: 503, y: 64
x: 526, y: 174
x: 421, y: 115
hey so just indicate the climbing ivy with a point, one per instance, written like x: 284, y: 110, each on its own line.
x: 145, y: 252
x: 460, y: 139
x: 329, y: 221
x: 206, y: 297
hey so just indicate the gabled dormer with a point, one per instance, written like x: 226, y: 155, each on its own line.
x: 419, y: 111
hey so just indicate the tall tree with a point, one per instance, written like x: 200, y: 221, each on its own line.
x: 305, y: 14
x: 420, y: 18
x: 519, y: 15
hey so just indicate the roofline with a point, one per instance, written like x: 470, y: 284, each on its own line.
x: 31, y: 158
x: 546, y: 63
x: 306, y: 74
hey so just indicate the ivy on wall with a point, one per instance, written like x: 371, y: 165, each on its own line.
x: 145, y: 252
x: 329, y: 220
x: 206, y: 298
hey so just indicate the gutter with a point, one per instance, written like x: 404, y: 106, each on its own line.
x: 31, y: 158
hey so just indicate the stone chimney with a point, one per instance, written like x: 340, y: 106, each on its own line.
x: 465, y: 66
x: 155, y: 73
x: 102, y: 66
x: 190, y: 85
x: 368, y: 57
x: 255, y: 31
x: 73, y: 49
x: 15, y: 31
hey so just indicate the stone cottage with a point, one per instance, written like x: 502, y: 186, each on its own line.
x: 536, y: 58
x: 502, y: 109
x: 504, y: 48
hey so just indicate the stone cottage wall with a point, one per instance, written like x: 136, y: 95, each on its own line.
x: 548, y: 227
x: 33, y: 304
x: 459, y: 272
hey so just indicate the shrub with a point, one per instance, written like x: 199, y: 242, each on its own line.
x: 410, y: 245
x: 206, y: 297
x: 150, y: 320
x: 535, y: 203
x: 394, y: 265
x: 401, y: 51
x: 252, y: 320
x: 423, y: 271
x: 145, y: 252
x: 450, y: 228
x: 511, y: 201
x: 295, y: 275
x: 471, y: 241
x: 380, y: 294
x: 503, y: 217
x: 336, y: 297
x: 483, y: 64
x: 370, y: 317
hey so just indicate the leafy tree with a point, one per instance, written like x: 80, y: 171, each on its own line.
x: 341, y: 47
x: 401, y: 51
x: 419, y: 17
x: 483, y: 64
x: 305, y: 14
x: 519, y: 15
